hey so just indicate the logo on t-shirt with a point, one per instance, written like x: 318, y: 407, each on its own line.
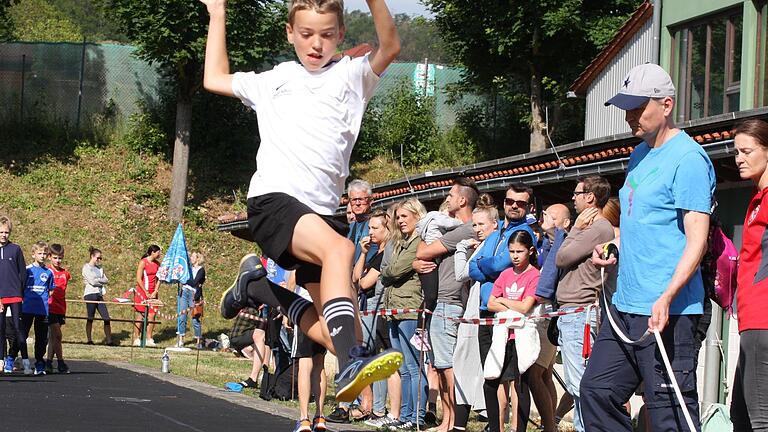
x: 632, y: 184
x: 754, y: 213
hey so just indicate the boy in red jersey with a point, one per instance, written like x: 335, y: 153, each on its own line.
x: 57, y: 308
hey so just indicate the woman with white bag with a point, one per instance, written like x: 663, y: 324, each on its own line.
x: 514, y: 290
x: 467, y: 370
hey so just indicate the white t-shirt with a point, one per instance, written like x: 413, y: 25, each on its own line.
x: 309, y: 122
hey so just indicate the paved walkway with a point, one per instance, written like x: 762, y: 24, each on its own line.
x: 124, y: 397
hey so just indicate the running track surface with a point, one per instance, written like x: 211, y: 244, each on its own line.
x: 103, y: 397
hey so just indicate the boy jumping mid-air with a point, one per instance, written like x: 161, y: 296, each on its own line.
x: 309, y: 115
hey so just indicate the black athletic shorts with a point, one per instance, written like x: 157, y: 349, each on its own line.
x: 272, y: 219
x: 303, y: 346
x: 56, y: 319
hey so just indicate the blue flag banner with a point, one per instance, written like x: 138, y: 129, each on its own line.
x: 175, y: 265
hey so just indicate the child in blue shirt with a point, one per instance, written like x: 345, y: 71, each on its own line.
x: 34, y: 308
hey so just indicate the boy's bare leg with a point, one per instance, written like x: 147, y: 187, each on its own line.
x: 319, y: 382
x: 315, y: 242
x: 259, y: 354
x: 305, y: 386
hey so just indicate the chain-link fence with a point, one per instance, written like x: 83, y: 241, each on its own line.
x: 70, y: 82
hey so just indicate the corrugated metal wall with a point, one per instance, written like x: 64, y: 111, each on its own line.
x: 601, y: 120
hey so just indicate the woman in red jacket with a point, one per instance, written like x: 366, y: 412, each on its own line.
x: 749, y: 407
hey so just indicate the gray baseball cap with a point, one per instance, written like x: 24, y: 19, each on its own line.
x: 640, y: 84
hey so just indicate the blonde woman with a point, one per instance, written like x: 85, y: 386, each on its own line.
x: 403, y: 290
x: 189, y: 301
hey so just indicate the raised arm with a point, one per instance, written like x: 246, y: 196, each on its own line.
x: 216, y: 76
x: 389, y: 41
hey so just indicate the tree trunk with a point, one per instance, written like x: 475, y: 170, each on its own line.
x: 180, y: 154
x: 538, y: 137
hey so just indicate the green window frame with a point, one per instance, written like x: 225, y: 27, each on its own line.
x: 707, y: 65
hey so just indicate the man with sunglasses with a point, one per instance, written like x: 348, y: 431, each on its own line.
x: 493, y: 258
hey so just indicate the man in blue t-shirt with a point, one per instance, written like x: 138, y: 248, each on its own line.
x: 665, y: 204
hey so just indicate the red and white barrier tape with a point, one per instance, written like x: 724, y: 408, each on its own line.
x: 475, y: 321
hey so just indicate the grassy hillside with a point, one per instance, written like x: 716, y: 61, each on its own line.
x: 116, y: 200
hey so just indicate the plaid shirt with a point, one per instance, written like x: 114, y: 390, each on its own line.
x: 242, y: 324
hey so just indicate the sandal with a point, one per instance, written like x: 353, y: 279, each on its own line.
x: 357, y: 414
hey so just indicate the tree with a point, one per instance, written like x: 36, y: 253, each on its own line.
x: 419, y: 36
x: 39, y: 21
x: 6, y: 26
x: 172, y: 33
x: 531, y: 48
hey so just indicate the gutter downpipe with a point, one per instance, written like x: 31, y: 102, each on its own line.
x: 656, y: 31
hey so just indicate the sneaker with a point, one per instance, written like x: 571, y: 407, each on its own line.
x: 420, y: 340
x: 137, y: 342
x: 49, y: 366
x: 27, y: 367
x: 318, y: 424
x: 150, y: 343
x: 180, y: 344
x: 8, y: 366
x: 40, y: 368
x: 363, y: 370
x: 236, y: 296
x: 402, y: 426
x: 339, y: 415
x: 62, y: 367
x: 303, y: 425
x: 381, y: 421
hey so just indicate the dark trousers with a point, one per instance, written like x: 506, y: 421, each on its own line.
x: 41, y: 333
x: 749, y: 407
x: 16, y: 328
x: 616, y: 369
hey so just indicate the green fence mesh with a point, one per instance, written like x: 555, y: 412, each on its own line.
x: 70, y: 82
x: 47, y: 78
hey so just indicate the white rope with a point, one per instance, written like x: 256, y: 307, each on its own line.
x: 662, y: 349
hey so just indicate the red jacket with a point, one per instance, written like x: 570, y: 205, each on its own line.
x: 752, y: 292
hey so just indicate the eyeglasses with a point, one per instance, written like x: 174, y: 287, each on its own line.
x: 519, y: 203
x: 579, y: 192
x: 358, y: 200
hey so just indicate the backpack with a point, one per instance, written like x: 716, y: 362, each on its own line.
x: 719, y: 267
x: 281, y: 385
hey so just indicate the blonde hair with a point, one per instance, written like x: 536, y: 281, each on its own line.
x: 40, y: 246
x: 5, y: 220
x: 200, y: 258
x: 486, y: 205
x: 412, y: 205
x: 319, y: 6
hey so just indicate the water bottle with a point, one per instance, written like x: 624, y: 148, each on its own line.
x: 166, y: 365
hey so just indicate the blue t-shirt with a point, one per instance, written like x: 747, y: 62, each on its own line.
x: 39, y: 284
x: 661, y: 183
